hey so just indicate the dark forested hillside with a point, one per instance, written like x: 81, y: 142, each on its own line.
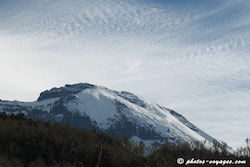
x: 28, y: 143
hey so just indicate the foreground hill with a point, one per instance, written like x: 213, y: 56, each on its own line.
x: 122, y: 113
x: 28, y: 143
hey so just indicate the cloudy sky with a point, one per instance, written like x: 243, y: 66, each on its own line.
x: 192, y: 56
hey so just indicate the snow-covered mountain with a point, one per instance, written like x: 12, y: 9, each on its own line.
x: 94, y: 107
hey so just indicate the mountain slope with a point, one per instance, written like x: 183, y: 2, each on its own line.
x: 122, y: 113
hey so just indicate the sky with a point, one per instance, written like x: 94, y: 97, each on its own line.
x: 192, y: 56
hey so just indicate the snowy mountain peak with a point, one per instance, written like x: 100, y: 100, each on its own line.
x: 89, y: 106
x: 63, y: 91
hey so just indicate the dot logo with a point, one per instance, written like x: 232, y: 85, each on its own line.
x: 180, y: 161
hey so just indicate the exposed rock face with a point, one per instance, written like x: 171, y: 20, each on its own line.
x: 64, y: 91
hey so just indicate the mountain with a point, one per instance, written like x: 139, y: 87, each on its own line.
x: 122, y: 113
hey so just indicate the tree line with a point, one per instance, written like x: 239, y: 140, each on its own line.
x: 35, y: 143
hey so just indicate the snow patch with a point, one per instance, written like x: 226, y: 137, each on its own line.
x: 96, y: 104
